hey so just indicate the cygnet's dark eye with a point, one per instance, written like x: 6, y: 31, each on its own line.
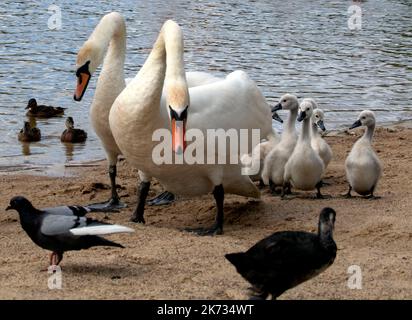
x: 284, y: 100
x: 363, y: 118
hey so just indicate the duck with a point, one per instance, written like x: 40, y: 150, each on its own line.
x: 363, y: 167
x: 274, y: 164
x: 141, y: 109
x: 305, y: 168
x: 318, y: 143
x: 286, y: 259
x: 42, y: 111
x: 29, y: 133
x: 107, y: 46
x: 71, y: 134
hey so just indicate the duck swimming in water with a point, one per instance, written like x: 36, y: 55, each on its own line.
x: 29, y: 133
x: 42, y: 111
x: 71, y: 134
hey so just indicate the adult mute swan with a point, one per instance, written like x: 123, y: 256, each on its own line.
x: 318, y: 143
x: 363, y: 167
x: 304, y: 168
x: 107, y: 45
x: 233, y: 103
x: 274, y: 164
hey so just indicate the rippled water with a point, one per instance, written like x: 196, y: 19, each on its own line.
x: 303, y: 47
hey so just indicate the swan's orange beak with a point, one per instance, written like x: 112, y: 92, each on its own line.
x: 178, y: 130
x: 178, y: 136
x: 83, y: 76
x: 82, y: 82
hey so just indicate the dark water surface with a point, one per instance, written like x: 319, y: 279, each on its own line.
x: 302, y: 47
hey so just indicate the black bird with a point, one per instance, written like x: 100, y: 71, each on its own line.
x: 286, y: 259
x: 42, y: 111
x: 63, y: 228
x: 71, y: 134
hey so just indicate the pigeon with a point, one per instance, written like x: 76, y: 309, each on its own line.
x: 63, y: 228
x: 286, y: 259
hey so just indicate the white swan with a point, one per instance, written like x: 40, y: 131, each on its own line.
x: 233, y: 103
x: 363, y: 167
x: 107, y: 45
x: 274, y: 164
x: 304, y: 168
x: 318, y: 143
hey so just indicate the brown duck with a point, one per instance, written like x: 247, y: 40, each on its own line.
x: 42, y: 111
x: 71, y: 134
x: 29, y: 133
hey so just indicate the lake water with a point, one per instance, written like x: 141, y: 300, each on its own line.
x: 302, y: 47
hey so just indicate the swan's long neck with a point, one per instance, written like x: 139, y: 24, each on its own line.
x: 110, y: 37
x: 305, y: 135
x: 175, y: 79
x: 290, y: 127
x: 368, y: 135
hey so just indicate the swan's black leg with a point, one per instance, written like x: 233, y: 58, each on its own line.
x: 286, y: 189
x: 272, y: 187
x: 318, y: 193
x: 142, y: 192
x: 162, y: 199
x: 348, y: 194
x: 217, y: 228
x: 371, y: 196
x: 261, y: 183
x: 114, y: 202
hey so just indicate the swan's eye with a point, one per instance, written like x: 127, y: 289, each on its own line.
x: 317, y: 116
x: 363, y: 118
x: 284, y: 100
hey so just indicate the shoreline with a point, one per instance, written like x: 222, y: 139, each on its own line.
x: 372, y: 234
x: 59, y: 170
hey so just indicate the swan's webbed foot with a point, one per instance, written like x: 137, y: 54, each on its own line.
x: 114, y: 202
x: 112, y: 205
x: 371, y: 196
x: 164, y: 198
x: 273, y: 190
x: 137, y: 217
x: 319, y: 195
x: 286, y: 189
x: 217, y: 228
x: 143, y: 191
x: 348, y: 195
x: 212, y: 231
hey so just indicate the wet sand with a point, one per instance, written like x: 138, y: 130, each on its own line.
x: 162, y: 262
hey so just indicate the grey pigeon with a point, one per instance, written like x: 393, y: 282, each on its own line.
x: 63, y: 228
x: 286, y: 259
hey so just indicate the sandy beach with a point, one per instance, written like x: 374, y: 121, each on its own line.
x: 162, y: 262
